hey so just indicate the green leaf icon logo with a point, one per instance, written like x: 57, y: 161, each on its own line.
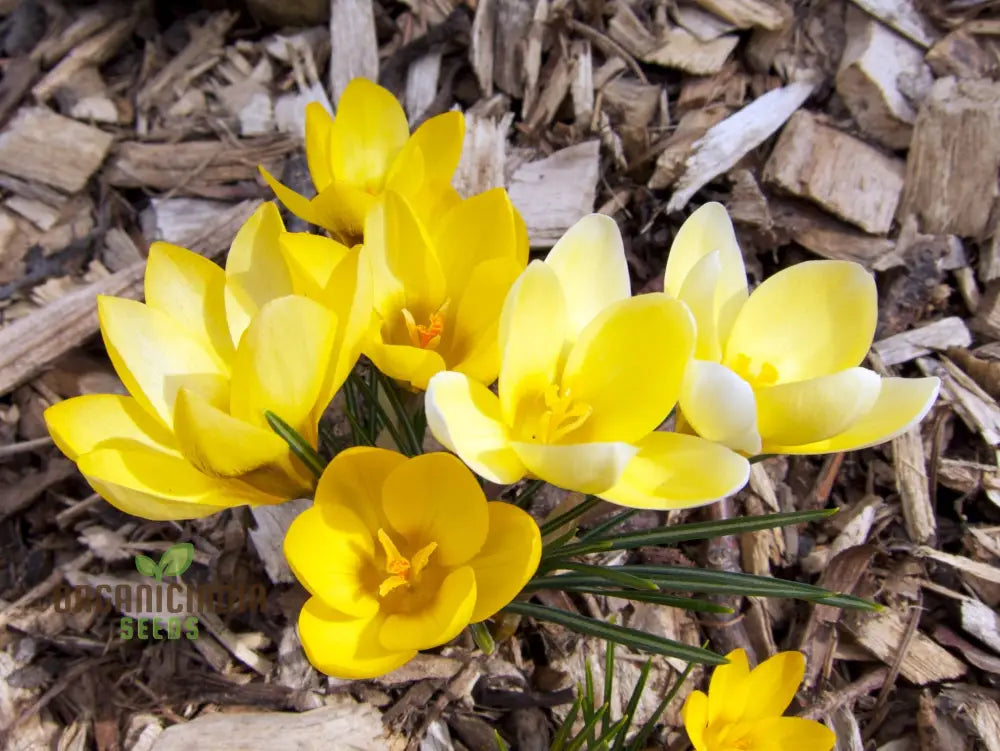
x: 177, y: 559
x: 174, y: 562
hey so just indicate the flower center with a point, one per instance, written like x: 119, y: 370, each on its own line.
x: 402, y: 571
x: 766, y: 375
x: 426, y: 336
x: 562, y: 415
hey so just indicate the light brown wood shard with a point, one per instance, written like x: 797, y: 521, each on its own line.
x: 978, y: 708
x: 692, y: 126
x: 913, y: 486
x: 940, y: 335
x: 484, y: 153
x: 843, y: 174
x: 882, y: 635
x: 553, y: 193
x: 903, y: 16
x: 481, y: 45
x: 746, y: 14
x: 40, y: 145
x: 93, y: 52
x: 512, y: 23
x: 951, y: 168
x: 975, y: 407
x: 726, y: 143
x: 876, y: 59
x: 353, y: 44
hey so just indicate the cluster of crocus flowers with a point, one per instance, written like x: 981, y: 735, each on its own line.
x: 743, y: 708
x: 204, y: 359
x: 400, y: 555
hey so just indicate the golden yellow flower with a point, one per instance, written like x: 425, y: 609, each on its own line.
x: 207, y: 354
x: 777, y: 371
x: 367, y: 148
x: 743, y: 708
x: 400, y: 555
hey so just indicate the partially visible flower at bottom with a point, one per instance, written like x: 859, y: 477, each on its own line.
x: 400, y: 555
x: 743, y: 708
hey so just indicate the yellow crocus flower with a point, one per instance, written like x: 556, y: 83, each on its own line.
x: 438, y: 290
x: 743, y: 708
x: 367, y: 148
x: 400, y: 555
x: 587, y: 373
x: 207, y: 354
x: 776, y: 371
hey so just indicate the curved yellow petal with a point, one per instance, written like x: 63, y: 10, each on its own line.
x: 368, y: 132
x: 728, y: 690
x: 344, y: 646
x: 698, y: 293
x: 220, y: 445
x: 331, y: 552
x: 707, y: 230
x: 318, y: 124
x: 584, y: 467
x: 507, y: 560
x: 533, y: 325
x: 695, y: 716
x: 808, y: 320
x: 627, y: 366
x: 439, y: 139
x: 773, y: 684
x: 153, y: 485
x: 813, y: 410
x: 412, y: 365
x: 354, y: 479
x: 464, y: 416
x: 256, y: 272
x: 405, y: 271
x: 435, y: 498
x: 523, y: 241
x: 720, y: 406
x: 84, y: 423
x: 311, y: 261
x: 673, y: 470
x: 779, y: 733
x: 281, y: 363
x: 339, y: 208
x: 589, y: 261
x: 439, y: 621
x: 154, y: 356
x: 901, y: 404
x: 190, y: 289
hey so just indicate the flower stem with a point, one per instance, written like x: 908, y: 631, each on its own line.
x: 483, y: 638
x: 299, y: 445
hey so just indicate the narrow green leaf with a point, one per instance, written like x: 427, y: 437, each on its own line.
x: 147, y: 566
x: 609, y: 677
x: 577, y: 511
x: 562, y: 734
x: 501, y: 743
x: 612, y: 574
x: 629, y: 637
x: 633, y: 703
x: 483, y: 638
x: 390, y: 389
x: 299, y: 445
x: 371, y: 398
x: 695, y: 531
x: 658, y: 598
x: 609, y: 524
x: 639, y: 742
x: 177, y: 559
x: 523, y: 499
x: 587, y: 730
x: 617, y: 730
x: 360, y: 435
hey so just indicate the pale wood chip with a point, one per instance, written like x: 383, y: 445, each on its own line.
x: 909, y: 345
x: 904, y: 17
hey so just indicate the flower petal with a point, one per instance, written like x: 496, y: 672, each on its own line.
x: 154, y: 356
x: 440, y: 621
x: 728, y: 690
x: 507, y: 561
x: 220, y: 445
x: 435, y: 498
x: 439, y: 139
x: 611, y: 364
x: 354, y: 479
x: 340, y: 208
x: 808, y: 320
x: 695, y: 716
x: 190, y: 289
x: 256, y: 272
x: 281, y: 363
x: 707, y: 230
x: 584, y: 467
x: 670, y: 472
x: 720, y: 406
x: 813, y: 410
x: 412, y: 365
x: 318, y: 124
x: 590, y: 263
x: 464, y: 416
x: 901, y: 404
x: 84, y: 423
x: 367, y: 133
x: 773, y: 684
x: 698, y: 293
x: 533, y: 327
x: 153, y: 485
x: 781, y: 733
x: 331, y: 552
x: 311, y: 260
x: 346, y: 647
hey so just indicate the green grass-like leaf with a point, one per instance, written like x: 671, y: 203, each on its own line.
x: 299, y: 445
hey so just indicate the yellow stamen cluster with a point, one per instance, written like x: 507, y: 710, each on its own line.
x: 402, y: 570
